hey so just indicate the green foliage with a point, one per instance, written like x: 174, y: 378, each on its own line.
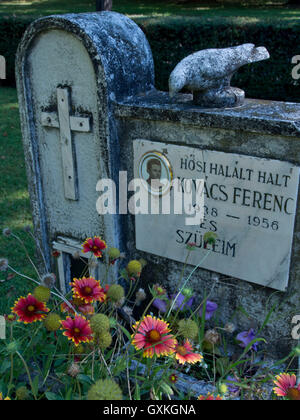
x: 173, y: 38
x: 11, y: 31
x: 14, y: 202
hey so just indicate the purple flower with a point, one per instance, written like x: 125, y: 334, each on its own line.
x: 160, y: 304
x: 180, y: 304
x: 231, y: 387
x: 211, y: 308
x: 245, y: 339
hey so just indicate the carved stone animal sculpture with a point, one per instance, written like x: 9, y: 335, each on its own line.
x: 207, y: 73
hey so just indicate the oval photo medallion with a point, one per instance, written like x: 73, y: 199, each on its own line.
x: 156, y: 170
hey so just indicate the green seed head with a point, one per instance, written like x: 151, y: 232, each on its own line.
x: 12, y: 347
x: 134, y: 267
x: 99, y: 323
x: 22, y: 393
x: 52, y: 322
x: 42, y: 293
x: 114, y: 253
x: 115, y: 293
x: 104, y: 340
x: 188, y: 328
x: 106, y: 389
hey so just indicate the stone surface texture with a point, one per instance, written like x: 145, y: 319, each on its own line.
x: 246, y: 201
x: 207, y: 73
x: 263, y: 129
x: 100, y: 58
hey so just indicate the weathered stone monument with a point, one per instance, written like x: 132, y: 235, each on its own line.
x: 70, y: 71
x: 89, y: 110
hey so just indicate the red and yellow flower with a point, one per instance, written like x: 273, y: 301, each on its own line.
x: 210, y: 397
x: 29, y: 309
x: 65, y: 308
x: 77, y: 329
x: 95, y: 245
x: 3, y: 399
x: 88, y: 289
x: 173, y: 378
x: 86, y: 309
x: 152, y: 335
x: 286, y: 386
x: 184, y: 353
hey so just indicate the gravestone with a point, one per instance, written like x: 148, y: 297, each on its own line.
x: 248, y: 201
x: 89, y: 109
x: 262, y: 138
x: 70, y: 70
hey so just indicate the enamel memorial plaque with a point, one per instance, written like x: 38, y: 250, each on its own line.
x: 249, y: 203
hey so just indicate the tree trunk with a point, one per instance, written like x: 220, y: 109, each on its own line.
x: 103, y: 5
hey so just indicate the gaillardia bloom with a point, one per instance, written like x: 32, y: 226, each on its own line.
x: 173, y: 378
x: 153, y: 336
x: 95, y: 245
x: 210, y: 397
x: 77, y: 329
x: 88, y: 289
x: 2, y: 399
x: 29, y: 309
x: 286, y: 386
x: 184, y: 354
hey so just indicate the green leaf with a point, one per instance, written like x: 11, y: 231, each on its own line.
x: 137, y: 392
x: 120, y: 366
x: 4, y: 366
x: 52, y: 397
x: 124, y: 274
x: 84, y: 379
x: 128, y: 335
x: 68, y: 396
x: 35, y: 385
x: 166, y: 389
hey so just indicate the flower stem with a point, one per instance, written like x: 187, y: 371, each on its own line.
x: 187, y: 280
x: 28, y: 374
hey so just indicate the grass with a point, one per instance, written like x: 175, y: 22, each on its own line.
x: 151, y: 9
x: 14, y: 200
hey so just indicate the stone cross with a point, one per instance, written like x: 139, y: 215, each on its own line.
x: 66, y: 124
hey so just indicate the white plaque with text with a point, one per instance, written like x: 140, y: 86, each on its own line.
x: 249, y: 202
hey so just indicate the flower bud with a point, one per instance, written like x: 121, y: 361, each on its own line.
x: 210, y: 238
